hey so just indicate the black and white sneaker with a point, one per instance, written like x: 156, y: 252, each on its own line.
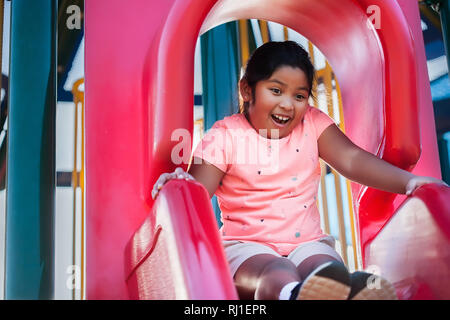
x: 368, y: 286
x: 329, y: 281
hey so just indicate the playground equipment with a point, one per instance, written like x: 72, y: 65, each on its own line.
x: 138, y: 92
x: 29, y: 249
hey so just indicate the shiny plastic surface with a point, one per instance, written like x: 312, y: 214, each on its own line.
x: 376, y: 207
x: 139, y: 84
x: 413, y: 249
x: 177, y: 253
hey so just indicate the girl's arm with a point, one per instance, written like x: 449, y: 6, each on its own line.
x: 207, y: 174
x: 363, y: 167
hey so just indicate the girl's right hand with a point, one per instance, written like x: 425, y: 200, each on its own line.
x: 418, y: 181
x: 177, y: 174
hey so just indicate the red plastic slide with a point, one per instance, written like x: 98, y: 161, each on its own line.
x: 139, y: 85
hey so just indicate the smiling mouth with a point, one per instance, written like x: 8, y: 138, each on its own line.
x: 280, y: 119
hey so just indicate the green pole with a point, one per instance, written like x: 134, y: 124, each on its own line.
x: 220, y: 75
x: 445, y: 21
x: 30, y: 198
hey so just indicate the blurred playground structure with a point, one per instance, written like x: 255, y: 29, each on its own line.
x: 88, y: 112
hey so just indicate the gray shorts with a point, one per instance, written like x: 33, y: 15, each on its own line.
x: 237, y: 251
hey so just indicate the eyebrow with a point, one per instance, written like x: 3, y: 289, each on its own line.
x: 283, y: 84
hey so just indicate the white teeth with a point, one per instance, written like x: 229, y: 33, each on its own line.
x: 281, y: 118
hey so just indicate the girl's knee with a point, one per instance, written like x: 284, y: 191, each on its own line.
x: 312, y: 262
x: 263, y: 276
x: 279, y: 264
x: 263, y: 264
x: 275, y: 275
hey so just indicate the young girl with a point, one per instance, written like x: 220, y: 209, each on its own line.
x: 263, y: 166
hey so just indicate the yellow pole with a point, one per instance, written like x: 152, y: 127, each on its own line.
x: 264, y: 30
x: 349, y: 192
x: 78, y: 179
x: 329, y: 96
x: 323, y: 192
x: 74, y: 191
x: 82, y: 197
x: 243, y: 39
x: 244, y: 51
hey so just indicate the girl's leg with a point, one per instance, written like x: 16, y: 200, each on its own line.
x: 309, y: 264
x: 262, y: 277
x: 380, y: 288
x: 324, y: 275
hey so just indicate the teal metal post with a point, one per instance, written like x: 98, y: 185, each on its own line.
x: 220, y: 75
x: 30, y: 198
x: 445, y: 21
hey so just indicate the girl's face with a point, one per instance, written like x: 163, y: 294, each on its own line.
x: 280, y: 101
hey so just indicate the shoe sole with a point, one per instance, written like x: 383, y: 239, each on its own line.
x: 318, y: 287
x: 386, y: 291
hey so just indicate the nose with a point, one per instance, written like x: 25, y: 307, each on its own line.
x: 286, y: 103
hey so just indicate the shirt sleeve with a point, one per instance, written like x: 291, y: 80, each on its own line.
x: 215, y: 147
x: 321, y: 120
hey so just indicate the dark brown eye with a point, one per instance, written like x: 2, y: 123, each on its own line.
x: 275, y: 90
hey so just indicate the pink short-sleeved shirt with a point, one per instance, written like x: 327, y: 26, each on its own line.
x: 268, y: 193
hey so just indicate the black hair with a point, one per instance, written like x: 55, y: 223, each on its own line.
x: 266, y: 59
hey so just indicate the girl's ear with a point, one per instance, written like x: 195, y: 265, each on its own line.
x: 245, y: 90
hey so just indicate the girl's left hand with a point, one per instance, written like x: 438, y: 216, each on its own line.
x: 419, y: 181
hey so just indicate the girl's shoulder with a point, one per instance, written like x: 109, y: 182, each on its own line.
x: 318, y: 119
x: 314, y: 112
x: 235, y: 121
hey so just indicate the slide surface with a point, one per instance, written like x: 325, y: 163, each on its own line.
x: 139, y: 85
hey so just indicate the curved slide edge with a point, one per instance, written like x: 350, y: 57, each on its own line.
x: 413, y: 249
x: 177, y: 252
